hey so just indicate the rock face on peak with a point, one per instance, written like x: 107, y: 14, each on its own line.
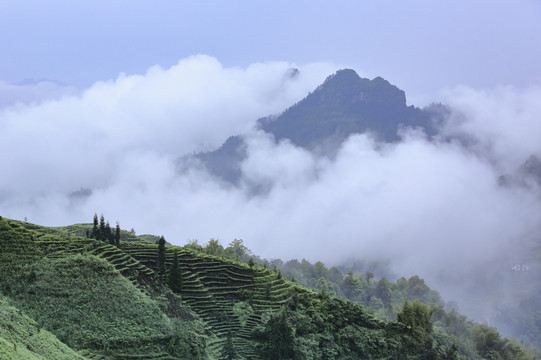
x: 343, y: 105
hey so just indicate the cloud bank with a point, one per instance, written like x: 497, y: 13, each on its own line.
x: 58, y: 146
x: 433, y: 208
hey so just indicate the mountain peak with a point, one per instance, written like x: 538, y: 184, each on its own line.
x: 346, y: 86
x: 342, y: 75
x: 344, y: 104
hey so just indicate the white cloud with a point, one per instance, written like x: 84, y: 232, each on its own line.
x: 506, y: 120
x: 60, y: 145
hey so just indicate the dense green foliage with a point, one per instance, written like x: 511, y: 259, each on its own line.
x: 323, y: 327
x: 106, y: 302
x: 387, y: 300
x: 22, y: 338
x: 418, y: 318
x: 384, y: 298
x: 476, y: 339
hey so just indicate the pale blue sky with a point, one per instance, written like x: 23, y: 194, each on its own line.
x: 422, y: 46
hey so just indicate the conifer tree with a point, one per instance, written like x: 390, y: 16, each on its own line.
x: 95, y: 227
x: 418, y: 318
x: 102, y: 228
x: 117, y: 234
x: 175, y: 276
x: 109, y: 236
x: 161, y: 258
x: 277, y: 338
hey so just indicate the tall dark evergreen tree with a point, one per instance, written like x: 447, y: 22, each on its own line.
x: 109, y: 236
x: 95, y: 230
x: 102, y: 228
x: 418, y: 317
x: 117, y: 234
x: 175, y: 275
x: 161, y: 258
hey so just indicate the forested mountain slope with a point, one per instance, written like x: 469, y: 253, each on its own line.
x: 116, y: 302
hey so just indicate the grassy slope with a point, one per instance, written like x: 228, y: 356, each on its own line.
x: 22, y: 338
x: 86, y: 302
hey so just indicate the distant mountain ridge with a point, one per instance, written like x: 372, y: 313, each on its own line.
x: 344, y: 104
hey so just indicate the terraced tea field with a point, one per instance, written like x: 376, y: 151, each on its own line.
x: 229, y: 297
x: 213, y: 287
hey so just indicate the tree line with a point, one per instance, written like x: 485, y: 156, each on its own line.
x: 410, y: 301
x: 102, y: 231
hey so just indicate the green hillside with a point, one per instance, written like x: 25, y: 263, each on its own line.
x: 109, y: 302
x: 22, y: 338
x: 94, y: 297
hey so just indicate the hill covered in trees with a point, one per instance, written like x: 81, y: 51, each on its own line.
x: 71, y: 296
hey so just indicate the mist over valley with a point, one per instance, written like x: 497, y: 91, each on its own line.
x: 385, y: 161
